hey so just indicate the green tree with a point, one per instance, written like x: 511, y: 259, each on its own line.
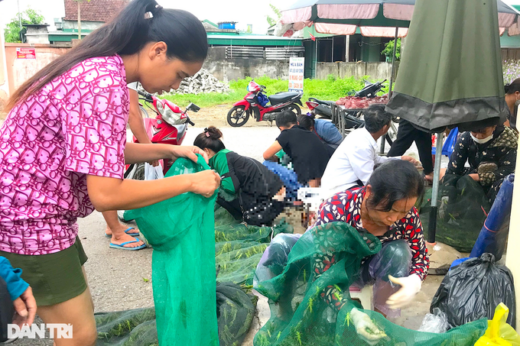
x: 389, y: 50
x: 278, y: 15
x: 79, y: 16
x: 12, y: 29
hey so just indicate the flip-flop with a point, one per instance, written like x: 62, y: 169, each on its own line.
x: 127, y: 231
x: 122, y: 246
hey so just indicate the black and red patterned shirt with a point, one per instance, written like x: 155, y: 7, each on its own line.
x: 346, y: 207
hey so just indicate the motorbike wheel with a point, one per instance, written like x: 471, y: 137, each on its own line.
x: 294, y: 108
x: 237, y: 116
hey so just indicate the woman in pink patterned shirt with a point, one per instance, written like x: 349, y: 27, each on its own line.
x: 63, y: 150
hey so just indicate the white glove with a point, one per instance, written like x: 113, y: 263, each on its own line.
x: 410, y: 286
x: 365, y: 328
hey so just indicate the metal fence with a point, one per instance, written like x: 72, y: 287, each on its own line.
x: 276, y: 53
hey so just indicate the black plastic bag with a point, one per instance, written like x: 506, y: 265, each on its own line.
x: 473, y: 289
x: 6, y: 310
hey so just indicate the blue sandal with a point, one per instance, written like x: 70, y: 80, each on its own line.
x: 127, y: 231
x: 122, y: 246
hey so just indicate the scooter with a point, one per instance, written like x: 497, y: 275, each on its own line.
x: 255, y: 102
x: 168, y: 127
x: 323, y: 109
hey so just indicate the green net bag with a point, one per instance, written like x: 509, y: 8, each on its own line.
x: 235, y: 312
x: 239, y: 247
x: 463, y: 208
x: 183, y: 263
x: 300, y: 315
x: 236, y: 258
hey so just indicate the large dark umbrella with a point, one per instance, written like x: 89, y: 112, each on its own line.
x: 369, y: 13
x: 373, y: 17
x: 451, y: 72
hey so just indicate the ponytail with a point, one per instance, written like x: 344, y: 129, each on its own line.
x: 140, y: 22
x: 210, y: 139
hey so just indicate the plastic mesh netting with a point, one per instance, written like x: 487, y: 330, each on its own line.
x: 301, y: 316
x: 463, y: 208
x: 186, y: 253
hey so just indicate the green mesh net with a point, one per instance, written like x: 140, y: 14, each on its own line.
x: 183, y: 266
x: 239, y: 247
x: 463, y: 208
x: 300, y: 315
x: 183, y: 263
x: 235, y: 313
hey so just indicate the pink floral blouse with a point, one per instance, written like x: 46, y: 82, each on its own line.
x: 74, y: 126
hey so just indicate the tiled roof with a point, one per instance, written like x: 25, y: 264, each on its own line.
x: 94, y: 11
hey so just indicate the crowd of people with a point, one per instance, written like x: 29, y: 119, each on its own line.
x: 63, y: 150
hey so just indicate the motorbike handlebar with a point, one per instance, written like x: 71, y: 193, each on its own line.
x: 190, y: 122
x: 146, y: 95
x: 142, y: 93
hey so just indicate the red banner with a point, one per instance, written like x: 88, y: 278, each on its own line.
x: 25, y: 53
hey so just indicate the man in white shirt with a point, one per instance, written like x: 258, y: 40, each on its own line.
x: 353, y: 162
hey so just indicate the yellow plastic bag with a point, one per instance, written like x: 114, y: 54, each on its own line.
x: 499, y: 333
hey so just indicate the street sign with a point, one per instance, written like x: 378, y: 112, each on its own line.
x: 296, y: 67
x: 25, y: 53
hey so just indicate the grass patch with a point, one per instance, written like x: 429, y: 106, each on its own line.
x: 329, y: 89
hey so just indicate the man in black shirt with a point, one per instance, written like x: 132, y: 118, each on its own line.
x: 307, y: 152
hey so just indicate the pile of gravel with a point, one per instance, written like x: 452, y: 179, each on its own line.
x: 202, y: 82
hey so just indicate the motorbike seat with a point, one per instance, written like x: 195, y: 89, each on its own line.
x: 283, y: 97
x: 321, y: 102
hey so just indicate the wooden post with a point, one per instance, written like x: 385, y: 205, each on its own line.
x: 513, y: 255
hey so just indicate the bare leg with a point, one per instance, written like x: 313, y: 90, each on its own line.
x: 315, y: 182
x: 79, y: 313
x: 442, y: 174
x: 117, y: 230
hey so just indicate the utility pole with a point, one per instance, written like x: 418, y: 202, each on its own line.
x: 79, y: 20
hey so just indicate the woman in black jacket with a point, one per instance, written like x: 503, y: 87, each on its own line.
x: 248, y: 189
x: 491, y: 154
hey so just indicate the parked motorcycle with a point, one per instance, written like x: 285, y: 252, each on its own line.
x: 354, y: 119
x: 323, y: 109
x: 255, y: 102
x: 370, y: 90
x: 168, y: 127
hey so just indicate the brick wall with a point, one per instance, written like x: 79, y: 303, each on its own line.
x: 95, y: 10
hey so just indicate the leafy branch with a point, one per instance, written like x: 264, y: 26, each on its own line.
x: 12, y: 29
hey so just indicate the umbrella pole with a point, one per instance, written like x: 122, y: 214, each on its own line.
x: 393, y: 61
x: 432, y: 224
x: 383, y: 139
